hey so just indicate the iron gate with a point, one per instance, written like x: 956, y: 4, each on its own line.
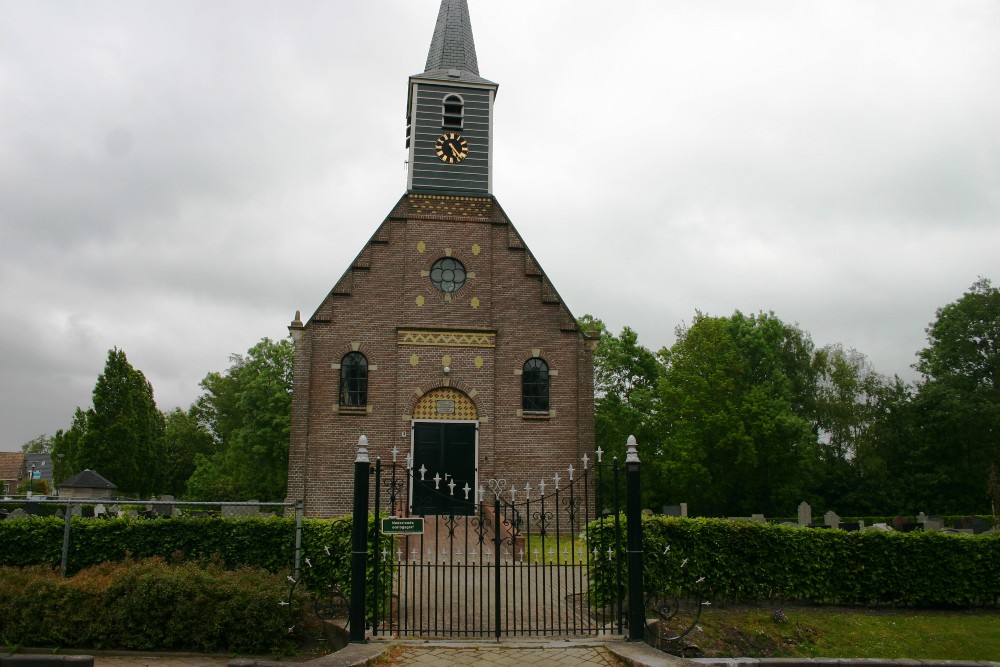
x: 507, y: 561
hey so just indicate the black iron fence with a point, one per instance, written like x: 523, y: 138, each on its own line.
x: 499, y: 560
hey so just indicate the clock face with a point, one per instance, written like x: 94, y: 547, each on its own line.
x: 451, y: 147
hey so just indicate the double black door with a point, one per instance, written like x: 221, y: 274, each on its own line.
x: 444, y: 468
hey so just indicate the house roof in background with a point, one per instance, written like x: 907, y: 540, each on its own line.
x: 88, y: 479
x: 10, y: 465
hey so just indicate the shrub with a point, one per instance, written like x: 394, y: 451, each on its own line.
x: 145, y: 605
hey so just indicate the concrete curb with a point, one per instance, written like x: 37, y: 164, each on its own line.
x: 641, y: 654
x: 835, y: 662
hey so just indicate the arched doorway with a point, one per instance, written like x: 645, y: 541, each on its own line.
x: 445, y: 450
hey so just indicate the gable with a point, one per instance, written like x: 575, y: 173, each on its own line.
x: 422, y: 228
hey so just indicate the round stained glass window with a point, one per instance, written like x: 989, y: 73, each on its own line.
x: 448, y: 274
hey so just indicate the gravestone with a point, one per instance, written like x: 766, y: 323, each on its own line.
x: 921, y: 518
x: 74, y: 510
x: 17, y: 513
x: 100, y: 510
x: 973, y: 523
x: 805, y: 514
x: 831, y: 519
x: 237, y: 511
x: 758, y: 518
x: 164, y: 510
x: 132, y: 514
x: 671, y: 510
x: 934, y: 523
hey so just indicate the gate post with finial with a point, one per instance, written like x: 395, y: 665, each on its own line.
x: 633, y: 524
x: 359, y: 542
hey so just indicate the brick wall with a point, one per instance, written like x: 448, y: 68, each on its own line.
x: 506, y: 313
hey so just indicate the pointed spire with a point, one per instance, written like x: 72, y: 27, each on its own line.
x: 452, y: 46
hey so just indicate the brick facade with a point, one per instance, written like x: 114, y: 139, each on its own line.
x: 386, y: 307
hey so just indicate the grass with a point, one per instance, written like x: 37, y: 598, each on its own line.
x: 837, y: 632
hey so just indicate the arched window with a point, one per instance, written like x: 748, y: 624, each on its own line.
x: 535, y: 386
x: 354, y: 380
x: 452, y: 112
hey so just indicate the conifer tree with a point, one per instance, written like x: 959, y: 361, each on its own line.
x: 124, y: 432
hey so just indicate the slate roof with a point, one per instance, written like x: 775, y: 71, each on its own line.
x: 88, y: 479
x: 453, y: 50
x: 10, y: 465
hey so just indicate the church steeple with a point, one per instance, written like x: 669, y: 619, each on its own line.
x: 453, y: 47
x: 450, y: 112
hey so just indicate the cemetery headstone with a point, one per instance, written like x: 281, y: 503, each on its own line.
x: 831, y: 519
x: 17, y: 513
x: 165, y: 510
x: 237, y: 511
x: 100, y: 510
x: 973, y: 523
x: 934, y: 523
x: 671, y: 510
x: 684, y: 510
x: 805, y: 514
x: 758, y: 518
x: 921, y: 518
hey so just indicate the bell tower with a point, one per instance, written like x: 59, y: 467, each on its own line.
x: 449, y: 113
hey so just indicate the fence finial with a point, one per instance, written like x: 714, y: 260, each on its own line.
x: 362, y: 450
x: 631, y: 450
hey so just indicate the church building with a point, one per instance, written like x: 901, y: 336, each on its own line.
x: 444, y: 342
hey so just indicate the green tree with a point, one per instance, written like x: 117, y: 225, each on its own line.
x: 123, y: 440
x: 66, y: 448
x: 248, y: 411
x: 184, y: 438
x: 736, y: 401
x: 957, y: 404
x: 626, y: 376
x: 40, y: 444
x: 852, y: 405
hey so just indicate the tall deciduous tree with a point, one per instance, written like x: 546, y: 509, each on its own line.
x: 40, y: 444
x: 626, y: 376
x: 735, y: 400
x: 852, y: 406
x: 123, y: 440
x: 66, y: 448
x: 185, y: 437
x: 248, y: 411
x: 957, y: 405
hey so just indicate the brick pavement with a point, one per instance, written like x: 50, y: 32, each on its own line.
x: 499, y: 656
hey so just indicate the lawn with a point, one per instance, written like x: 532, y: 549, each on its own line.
x: 838, y: 632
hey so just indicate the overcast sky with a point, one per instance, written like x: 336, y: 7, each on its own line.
x: 178, y: 177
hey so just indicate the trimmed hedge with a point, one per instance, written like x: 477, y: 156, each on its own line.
x: 266, y: 543
x: 745, y: 561
x: 145, y: 605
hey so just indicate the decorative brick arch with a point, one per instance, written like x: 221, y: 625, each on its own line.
x: 347, y: 348
x: 463, y: 391
x: 463, y: 408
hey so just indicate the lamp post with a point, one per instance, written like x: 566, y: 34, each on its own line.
x: 31, y: 481
x: 633, y: 525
